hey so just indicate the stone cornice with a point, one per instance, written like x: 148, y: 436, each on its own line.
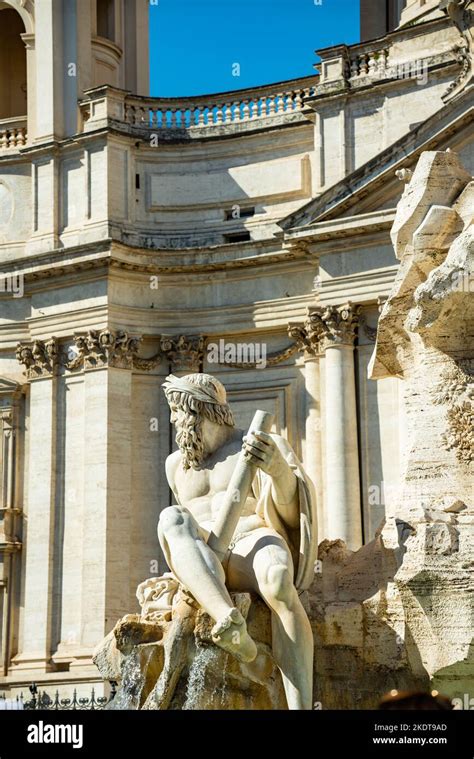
x: 343, y: 228
x: 117, y: 255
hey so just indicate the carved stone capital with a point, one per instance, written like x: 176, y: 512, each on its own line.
x: 338, y: 325
x: 39, y: 357
x: 95, y: 350
x: 307, y: 335
x: 184, y: 353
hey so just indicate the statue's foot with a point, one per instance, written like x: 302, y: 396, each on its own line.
x: 230, y: 634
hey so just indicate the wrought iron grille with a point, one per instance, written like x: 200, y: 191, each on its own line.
x: 41, y: 700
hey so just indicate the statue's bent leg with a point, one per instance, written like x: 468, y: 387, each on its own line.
x: 197, y: 567
x: 264, y: 561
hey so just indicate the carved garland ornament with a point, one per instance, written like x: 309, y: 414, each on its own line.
x: 323, y: 327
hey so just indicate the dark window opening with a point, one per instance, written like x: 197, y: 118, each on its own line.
x: 106, y: 19
x: 237, y: 237
x: 137, y: 181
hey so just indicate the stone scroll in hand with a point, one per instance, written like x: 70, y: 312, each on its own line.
x: 237, y: 492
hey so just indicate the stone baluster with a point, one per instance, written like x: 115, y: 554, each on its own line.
x: 201, y: 117
x: 172, y: 113
x: 219, y: 114
x: 372, y: 65
x: 354, y: 68
x: 272, y: 106
x: 382, y: 60
x: 246, y: 111
x: 236, y: 106
x: 227, y: 113
x: 298, y: 100
x: 363, y: 65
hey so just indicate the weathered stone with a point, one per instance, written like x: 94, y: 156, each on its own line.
x: 184, y: 669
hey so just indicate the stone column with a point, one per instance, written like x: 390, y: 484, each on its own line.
x: 306, y: 337
x: 343, y: 507
x: 40, y: 360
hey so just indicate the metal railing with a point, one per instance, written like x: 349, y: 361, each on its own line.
x: 40, y: 700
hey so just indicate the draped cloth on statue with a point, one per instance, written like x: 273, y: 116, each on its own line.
x: 302, y: 541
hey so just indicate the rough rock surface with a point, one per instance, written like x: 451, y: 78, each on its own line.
x: 169, y: 661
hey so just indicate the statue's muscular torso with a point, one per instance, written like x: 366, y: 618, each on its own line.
x: 201, y: 491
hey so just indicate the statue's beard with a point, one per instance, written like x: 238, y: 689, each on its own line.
x: 190, y: 442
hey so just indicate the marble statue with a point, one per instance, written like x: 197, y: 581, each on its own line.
x: 273, y: 546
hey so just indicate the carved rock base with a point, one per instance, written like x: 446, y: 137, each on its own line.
x: 173, y: 664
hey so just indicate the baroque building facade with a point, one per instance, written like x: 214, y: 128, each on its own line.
x: 245, y: 234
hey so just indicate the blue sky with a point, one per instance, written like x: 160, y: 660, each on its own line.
x: 194, y: 44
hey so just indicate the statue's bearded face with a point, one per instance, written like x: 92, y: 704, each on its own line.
x: 188, y: 436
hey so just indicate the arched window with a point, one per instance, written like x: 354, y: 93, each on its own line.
x: 12, y: 65
x: 106, y: 19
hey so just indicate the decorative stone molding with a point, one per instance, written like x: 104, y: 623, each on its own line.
x: 40, y: 357
x: 95, y: 350
x: 322, y: 327
x: 461, y: 13
x: 307, y: 336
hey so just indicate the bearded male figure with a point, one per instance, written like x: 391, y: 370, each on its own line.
x: 273, y: 548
